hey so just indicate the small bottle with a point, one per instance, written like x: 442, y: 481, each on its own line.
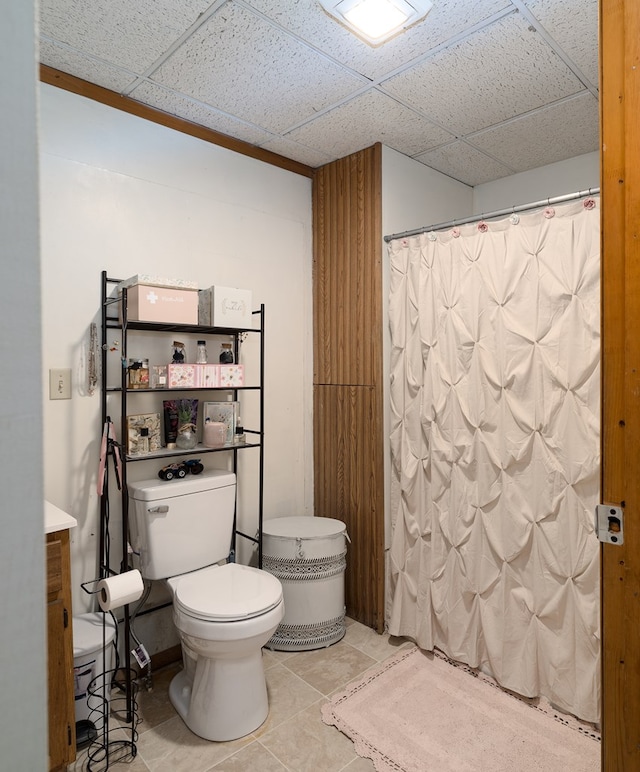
x: 138, y: 373
x: 226, y: 354
x: 178, y: 353
x: 143, y: 442
x: 201, y: 357
x: 239, y: 437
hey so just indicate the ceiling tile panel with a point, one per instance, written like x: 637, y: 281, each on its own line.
x: 85, y: 67
x: 372, y: 117
x: 245, y: 66
x: 495, y: 74
x: 287, y: 77
x: 552, y: 134
x: 574, y: 25
x: 308, y: 20
x: 132, y: 33
x: 464, y: 163
x: 177, y: 104
x: 301, y: 153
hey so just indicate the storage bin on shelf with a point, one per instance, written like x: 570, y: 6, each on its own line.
x: 308, y: 556
x: 160, y: 299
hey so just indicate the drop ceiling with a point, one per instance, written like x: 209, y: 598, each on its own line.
x: 479, y: 90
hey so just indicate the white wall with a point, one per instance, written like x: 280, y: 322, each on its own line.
x: 23, y: 729
x: 129, y: 196
x: 413, y: 195
x: 570, y: 176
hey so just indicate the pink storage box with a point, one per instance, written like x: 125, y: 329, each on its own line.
x: 205, y: 376
x: 182, y: 376
x: 219, y: 376
x: 231, y: 375
x: 147, y: 303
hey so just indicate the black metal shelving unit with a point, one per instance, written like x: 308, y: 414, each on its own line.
x: 112, y: 395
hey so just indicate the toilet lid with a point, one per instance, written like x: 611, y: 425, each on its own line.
x: 228, y: 592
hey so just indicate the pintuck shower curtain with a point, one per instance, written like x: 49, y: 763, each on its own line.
x: 495, y: 383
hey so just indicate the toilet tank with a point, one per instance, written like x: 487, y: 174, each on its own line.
x: 181, y: 525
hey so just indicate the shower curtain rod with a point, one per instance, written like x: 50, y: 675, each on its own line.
x: 491, y: 215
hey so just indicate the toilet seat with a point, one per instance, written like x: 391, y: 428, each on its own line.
x: 226, y: 593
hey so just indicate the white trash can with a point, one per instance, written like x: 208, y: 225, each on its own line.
x: 308, y: 556
x: 90, y: 661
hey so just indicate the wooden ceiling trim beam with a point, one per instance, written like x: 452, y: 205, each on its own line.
x: 112, y: 99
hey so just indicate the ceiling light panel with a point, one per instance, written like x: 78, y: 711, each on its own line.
x: 376, y: 21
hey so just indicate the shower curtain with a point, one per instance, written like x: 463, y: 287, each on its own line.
x: 495, y: 449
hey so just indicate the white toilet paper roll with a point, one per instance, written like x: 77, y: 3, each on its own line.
x: 117, y: 591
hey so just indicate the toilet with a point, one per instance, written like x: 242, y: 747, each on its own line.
x: 182, y: 530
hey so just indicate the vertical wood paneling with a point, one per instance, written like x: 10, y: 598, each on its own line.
x: 348, y: 461
x: 620, y: 182
x: 347, y: 271
x: 348, y: 487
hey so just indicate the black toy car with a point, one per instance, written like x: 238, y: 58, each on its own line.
x: 181, y: 469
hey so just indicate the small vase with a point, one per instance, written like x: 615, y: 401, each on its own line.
x: 187, y: 438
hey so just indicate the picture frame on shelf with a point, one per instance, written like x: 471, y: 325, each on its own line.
x: 143, y: 434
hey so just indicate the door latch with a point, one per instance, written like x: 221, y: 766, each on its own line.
x: 610, y: 524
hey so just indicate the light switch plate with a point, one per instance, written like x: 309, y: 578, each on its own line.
x: 60, y: 383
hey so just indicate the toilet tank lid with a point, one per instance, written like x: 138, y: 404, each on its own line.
x: 152, y: 490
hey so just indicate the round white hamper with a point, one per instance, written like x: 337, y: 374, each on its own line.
x: 308, y: 555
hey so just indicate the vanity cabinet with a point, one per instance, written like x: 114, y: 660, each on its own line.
x: 61, y: 706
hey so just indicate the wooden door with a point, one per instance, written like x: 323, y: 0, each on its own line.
x: 620, y: 183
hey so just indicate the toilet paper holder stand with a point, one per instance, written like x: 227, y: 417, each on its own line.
x: 111, y: 692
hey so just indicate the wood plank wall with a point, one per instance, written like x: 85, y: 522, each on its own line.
x: 347, y: 337
x: 620, y: 183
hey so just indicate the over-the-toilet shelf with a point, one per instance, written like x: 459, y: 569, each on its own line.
x: 220, y: 390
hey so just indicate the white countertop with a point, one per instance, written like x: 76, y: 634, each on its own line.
x: 56, y: 520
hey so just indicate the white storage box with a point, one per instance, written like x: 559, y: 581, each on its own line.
x: 308, y: 556
x: 225, y: 307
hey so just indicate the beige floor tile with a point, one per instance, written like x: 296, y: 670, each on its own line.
x: 288, y: 695
x: 330, y: 668
x: 171, y: 747
x: 306, y: 744
x: 271, y: 658
x: 253, y: 758
x: 154, y: 707
x: 379, y: 647
x: 359, y: 765
x: 99, y: 760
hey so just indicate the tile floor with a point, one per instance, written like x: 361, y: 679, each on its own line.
x: 293, y: 737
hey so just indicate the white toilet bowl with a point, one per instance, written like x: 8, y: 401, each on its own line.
x: 224, y: 616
